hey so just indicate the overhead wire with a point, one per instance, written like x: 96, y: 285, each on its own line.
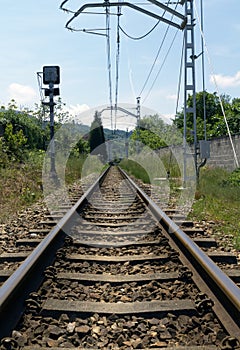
x: 180, y: 78
x: 203, y: 77
x: 117, y: 63
x: 109, y: 61
x: 217, y: 89
x: 154, y: 62
x: 140, y: 37
x: 156, y: 57
x: 164, y: 60
x: 108, y: 47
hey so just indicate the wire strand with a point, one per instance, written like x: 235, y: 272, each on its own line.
x: 180, y: 78
x: 164, y: 60
x: 154, y: 62
x: 140, y: 37
x: 158, y: 53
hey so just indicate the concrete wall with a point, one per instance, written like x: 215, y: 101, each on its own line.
x: 222, y: 153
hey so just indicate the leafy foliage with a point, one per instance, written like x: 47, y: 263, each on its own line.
x: 233, y: 179
x: 155, y: 133
x: 23, y: 120
x: 15, y: 142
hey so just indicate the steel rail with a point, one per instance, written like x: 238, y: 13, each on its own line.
x: 30, y: 273
x: 227, y: 290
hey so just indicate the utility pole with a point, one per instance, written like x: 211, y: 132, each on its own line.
x: 201, y: 149
x: 189, y: 88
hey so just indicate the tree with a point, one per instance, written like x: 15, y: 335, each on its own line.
x: 97, y: 138
x: 82, y: 146
x: 23, y: 120
x: 15, y: 143
x: 215, y: 123
x: 155, y: 133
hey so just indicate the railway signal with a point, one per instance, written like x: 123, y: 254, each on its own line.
x: 51, y: 76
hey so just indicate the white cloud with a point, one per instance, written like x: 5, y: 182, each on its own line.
x: 172, y: 97
x: 169, y: 118
x: 226, y: 80
x: 79, y: 113
x: 77, y: 109
x: 22, y: 93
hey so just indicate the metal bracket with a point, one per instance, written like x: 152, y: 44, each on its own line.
x: 135, y: 7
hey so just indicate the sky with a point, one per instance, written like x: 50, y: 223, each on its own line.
x: 33, y: 35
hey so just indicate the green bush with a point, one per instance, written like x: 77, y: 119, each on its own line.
x: 234, y: 178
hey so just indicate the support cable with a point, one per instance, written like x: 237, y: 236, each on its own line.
x: 217, y: 90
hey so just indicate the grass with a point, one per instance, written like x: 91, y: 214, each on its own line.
x: 135, y: 169
x: 74, y: 167
x: 219, y: 201
x: 217, y: 197
x: 21, y: 184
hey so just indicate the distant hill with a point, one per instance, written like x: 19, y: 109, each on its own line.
x: 109, y: 134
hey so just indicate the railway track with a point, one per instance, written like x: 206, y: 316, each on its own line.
x: 115, y: 272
